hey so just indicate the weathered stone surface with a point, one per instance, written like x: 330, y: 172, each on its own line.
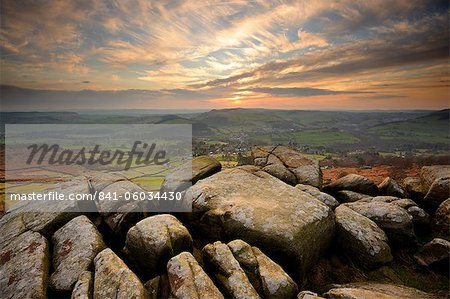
x: 288, y: 165
x: 114, y: 280
x: 24, y: 267
x: 350, y: 196
x: 436, y: 251
x: 394, y: 220
x: 428, y: 174
x: 439, y: 190
x: 361, y: 239
x: 368, y: 290
x: 117, y: 190
x: 188, y: 280
x: 154, y: 240
x: 227, y: 271
x: 390, y: 187
x: 414, y: 188
x: 74, y: 247
x: 352, y: 182
x: 308, y: 295
x: 100, y: 180
x: 419, y: 216
x: 442, y: 218
x: 119, y: 223
x: 11, y: 226
x: 44, y: 217
x: 435, y: 182
x: 83, y: 287
x: 251, y: 205
x: 188, y: 174
x: 267, y: 277
x: 158, y: 287
x: 322, y: 196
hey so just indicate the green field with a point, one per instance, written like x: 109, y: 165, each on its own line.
x: 310, y: 137
x: 432, y: 129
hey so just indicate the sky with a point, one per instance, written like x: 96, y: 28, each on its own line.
x: 321, y: 54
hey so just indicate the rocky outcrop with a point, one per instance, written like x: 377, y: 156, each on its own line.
x: 434, y: 252
x: 158, y: 287
x: 24, y: 266
x: 413, y: 186
x: 391, y: 188
x: 288, y: 165
x: 350, y: 196
x: 439, y: 190
x: 74, y: 247
x: 189, y: 173
x: 119, y: 189
x: 113, y: 279
x: 352, y: 182
x: 250, y: 204
x: 322, y: 196
x: 227, y: 271
x: 154, y: 240
x: 435, y: 181
x: 419, y: 216
x: 44, y: 217
x: 267, y: 277
x: 365, y: 290
x: 121, y: 221
x: 308, y: 295
x: 83, y: 287
x: 442, y: 218
x: 188, y: 280
x: 100, y: 180
x: 361, y: 239
x: 394, y: 220
x: 429, y: 174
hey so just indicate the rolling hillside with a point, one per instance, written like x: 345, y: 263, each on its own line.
x: 432, y: 128
x: 346, y: 130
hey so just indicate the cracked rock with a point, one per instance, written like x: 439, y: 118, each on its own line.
x: 154, y: 240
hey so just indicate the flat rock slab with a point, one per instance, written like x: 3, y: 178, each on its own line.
x: 249, y: 204
x: 435, y: 251
x: 113, y: 279
x: 188, y: 280
x: 418, y: 215
x: 74, y: 247
x: 350, y: 196
x: 394, y: 220
x: 44, y: 217
x: 154, y: 240
x: 365, y: 290
x: 24, y: 267
x: 322, y: 196
x: 189, y: 173
x: 361, y: 239
x: 288, y: 165
x: 390, y: 187
x: 352, y: 182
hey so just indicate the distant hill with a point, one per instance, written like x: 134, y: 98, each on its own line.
x: 338, y: 129
x: 245, y: 120
x: 432, y: 128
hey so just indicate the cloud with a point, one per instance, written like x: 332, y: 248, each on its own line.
x: 18, y: 98
x: 220, y: 48
x: 300, y: 91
